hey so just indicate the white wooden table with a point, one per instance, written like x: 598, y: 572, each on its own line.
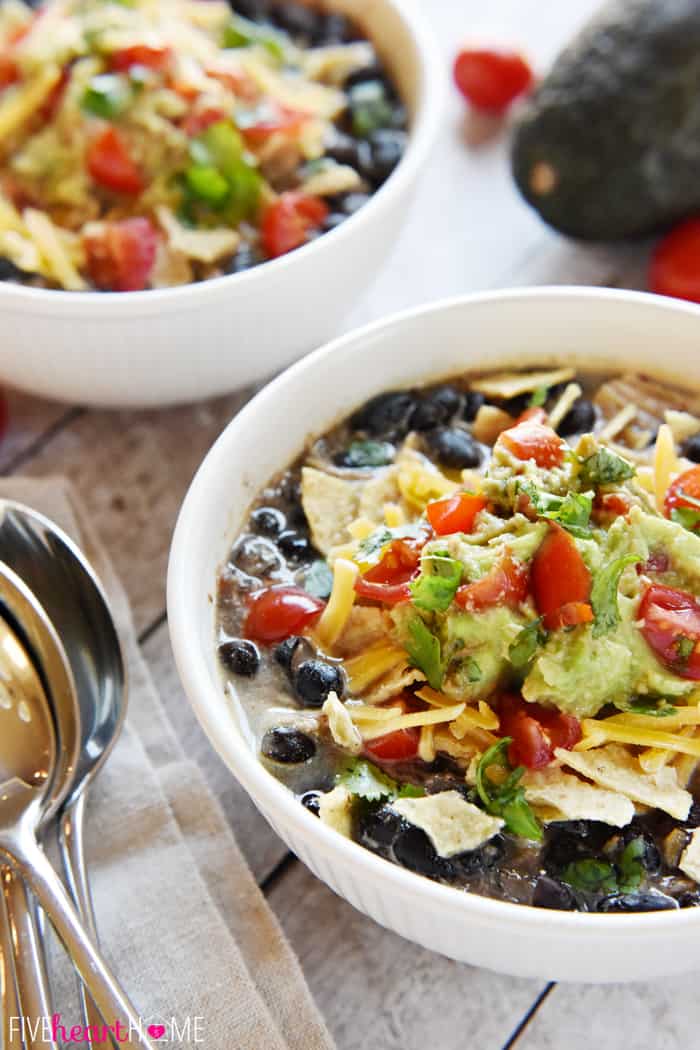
x: 132, y: 470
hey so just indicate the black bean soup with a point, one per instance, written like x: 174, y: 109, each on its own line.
x: 551, y: 471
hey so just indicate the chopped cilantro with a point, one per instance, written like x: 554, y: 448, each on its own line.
x: 368, y: 454
x: 653, y: 708
x: 437, y: 584
x: 572, y: 512
x: 685, y: 648
x: 370, y: 549
x: 539, y: 397
x: 604, y: 594
x: 631, y: 865
x: 687, y: 517
x: 425, y: 653
x: 506, y: 800
x: 591, y: 875
x: 521, y: 651
x: 319, y: 579
x: 605, y: 468
x: 369, y: 782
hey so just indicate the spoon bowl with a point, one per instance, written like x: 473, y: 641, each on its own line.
x: 27, y: 737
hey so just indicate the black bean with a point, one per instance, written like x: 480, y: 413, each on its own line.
x: 256, y: 556
x: 693, y: 818
x: 286, y: 650
x: 311, y: 801
x: 387, y: 146
x: 379, y: 826
x: 386, y: 415
x: 651, y: 901
x: 414, y: 850
x: 352, y: 202
x: 651, y: 857
x: 515, y: 405
x: 295, y: 545
x: 300, y: 21
x: 473, y: 401
x: 245, y: 258
x: 476, y: 861
x: 373, y: 71
x: 240, y: 656
x: 454, y: 448
x: 573, y: 840
x: 335, y: 29
x: 550, y: 893
x: 315, y: 679
x: 691, y: 448
x: 257, y: 10
x: 580, y: 418
x: 333, y: 220
x: 345, y: 149
x: 288, y: 745
x: 690, y: 899
x: 268, y: 521
x: 10, y: 272
x: 436, y: 408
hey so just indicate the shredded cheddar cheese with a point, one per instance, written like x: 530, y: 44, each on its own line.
x: 666, y: 463
x: 415, y: 719
x: 335, y: 615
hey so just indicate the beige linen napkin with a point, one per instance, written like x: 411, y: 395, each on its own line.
x: 179, y: 915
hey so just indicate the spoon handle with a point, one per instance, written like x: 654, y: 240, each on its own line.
x: 72, y: 843
x: 30, y: 964
x: 11, y: 1013
x: 101, y: 983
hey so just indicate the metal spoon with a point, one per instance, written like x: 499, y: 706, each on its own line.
x: 27, y: 764
x: 65, y: 584
x: 40, y: 638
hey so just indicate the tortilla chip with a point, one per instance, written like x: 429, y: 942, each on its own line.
x: 690, y: 857
x: 565, y: 797
x: 342, y: 728
x: 393, y: 684
x: 330, y: 504
x: 335, y: 809
x: 452, y: 824
x: 615, y: 768
x: 512, y: 384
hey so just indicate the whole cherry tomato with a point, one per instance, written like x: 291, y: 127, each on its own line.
x: 491, y: 80
x: 675, y: 264
x: 275, y: 613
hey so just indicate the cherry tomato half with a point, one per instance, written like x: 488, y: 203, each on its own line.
x: 395, y: 747
x: 492, y: 80
x: 199, y: 120
x: 684, y: 492
x: 559, y: 577
x: 156, y: 58
x: 506, y: 584
x: 110, y: 164
x: 120, y: 258
x: 675, y: 264
x: 277, y: 612
x: 287, y: 223
x: 455, y: 514
x: 531, y: 439
x: 536, y: 731
x: 276, y: 119
x: 671, y: 628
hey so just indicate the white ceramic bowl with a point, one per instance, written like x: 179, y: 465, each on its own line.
x: 591, y: 328
x: 192, y: 342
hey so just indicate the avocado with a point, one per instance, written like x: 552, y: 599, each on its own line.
x: 609, y: 145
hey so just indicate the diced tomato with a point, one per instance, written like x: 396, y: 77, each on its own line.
x: 657, y: 562
x: 684, y: 491
x: 456, y: 513
x: 506, y: 584
x: 491, y: 80
x: 675, y: 264
x: 574, y: 613
x: 120, y: 258
x: 395, y: 747
x: 110, y: 164
x: 559, y: 577
x: 9, y: 71
x: 277, y: 612
x: 536, y: 413
x: 671, y: 627
x: 613, y: 503
x: 536, y: 731
x: 199, y: 120
x: 387, y: 593
x: 531, y: 439
x: 287, y: 222
x: 388, y: 580
x: 156, y: 58
x: 277, y: 119
x: 238, y: 82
